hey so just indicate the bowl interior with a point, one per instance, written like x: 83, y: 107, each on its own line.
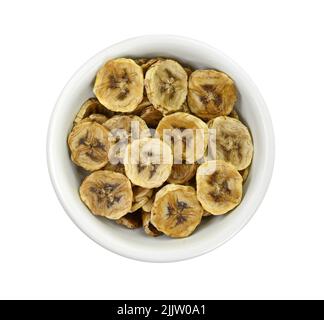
x: 135, y: 244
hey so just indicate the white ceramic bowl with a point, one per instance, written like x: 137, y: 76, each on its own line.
x: 134, y: 243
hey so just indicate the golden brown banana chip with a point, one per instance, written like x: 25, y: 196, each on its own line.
x: 148, y: 162
x: 131, y: 220
x: 107, y: 194
x: 148, y: 227
x: 182, y: 173
x: 187, y: 134
x: 119, y: 85
x: 211, y: 94
x: 89, y: 145
x: 166, y: 85
x: 90, y: 107
x: 219, y: 186
x: 233, y: 141
x: 176, y: 211
x: 96, y: 117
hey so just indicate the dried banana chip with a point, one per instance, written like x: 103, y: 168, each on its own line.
x: 176, y: 211
x: 219, y: 186
x: 166, y: 85
x: 148, y: 162
x: 211, y: 94
x: 89, y: 145
x: 233, y: 141
x: 107, y: 194
x: 119, y: 85
x: 187, y: 134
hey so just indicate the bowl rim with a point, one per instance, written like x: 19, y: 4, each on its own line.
x: 269, y: 165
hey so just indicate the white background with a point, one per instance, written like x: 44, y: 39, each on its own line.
x: 279, y: 254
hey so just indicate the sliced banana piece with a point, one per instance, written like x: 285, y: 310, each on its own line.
x: 131, y: 220
x: 148, y: 162
x: 166, y: 85
x: 90, y: 107
x: 187, y: 134
x: 182, y: 173
x: 107, y: 194
x: 219, y: 186
x: 89, y: 145
x: 233, y: 141
x: 119, y: 85
x: 211, y: 94
x: 176, y: 211
x: 148, y: 227
x: 121, y: 130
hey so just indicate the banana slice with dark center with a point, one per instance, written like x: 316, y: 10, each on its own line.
x: 187, y: 134
x: 107, y: 194
x: 176, y: 211
x: 166, y: 85
x: 119, y: 85
x: 219, y: 186
x: 148, y: 162
x: 211, y: 94
x: 89, y: 145
x: 233, y: 141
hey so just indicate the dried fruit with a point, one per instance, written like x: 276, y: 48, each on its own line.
x: 89, y: 145
x: 166, y: 85
x: 119, y: 85
x: 176, y: 211
x: 107, y: 194
x: 187, y: 134
x: 148, y: 162
x: 192, y: 166
x: 211, y: 94
x: 233, y: 141
x: 219, y: 186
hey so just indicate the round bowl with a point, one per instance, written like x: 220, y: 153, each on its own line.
x: 135, y: 244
